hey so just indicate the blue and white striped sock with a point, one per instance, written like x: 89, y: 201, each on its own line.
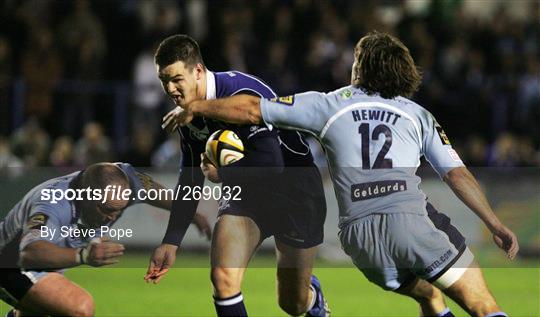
x: 497, y: 314
x: 230, y: 306
x: 445, y: 313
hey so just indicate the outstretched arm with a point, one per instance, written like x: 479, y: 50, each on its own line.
x: 306, y: 112
x: 241, y: 109
x: 469, y: 192
x: 182, y: 213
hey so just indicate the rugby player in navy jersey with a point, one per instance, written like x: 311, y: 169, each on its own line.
x: 292, y: 210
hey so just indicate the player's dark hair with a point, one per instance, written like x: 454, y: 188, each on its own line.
x: 102, y: 174
x: 176, y: 48
x: 384, y: 66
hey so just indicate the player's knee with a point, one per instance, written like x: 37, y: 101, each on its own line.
x: 292, y: 307
x: 85, y: 307
x: 476, y: 300
x: 293, y: 299
x: 225, y: 282
x: 481, y: 307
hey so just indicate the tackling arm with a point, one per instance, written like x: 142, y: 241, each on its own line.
x: 43, y: 254
x: 240, y: 109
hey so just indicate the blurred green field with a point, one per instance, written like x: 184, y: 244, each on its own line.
x: 187, y: 291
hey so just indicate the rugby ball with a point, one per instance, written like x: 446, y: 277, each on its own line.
x: 224, y: 147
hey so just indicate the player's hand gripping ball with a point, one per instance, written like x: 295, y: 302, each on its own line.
x: 224, y: 147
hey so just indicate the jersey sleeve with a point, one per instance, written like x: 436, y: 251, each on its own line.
x: 236, y: 82
x: 305, y: 112
x: 43, y: 215
x: 437, y: 148
x: 183, y: 210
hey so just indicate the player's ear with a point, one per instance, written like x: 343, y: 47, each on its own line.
x: 199, y: 70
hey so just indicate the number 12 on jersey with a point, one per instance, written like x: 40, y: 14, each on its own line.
x: 380, y: 161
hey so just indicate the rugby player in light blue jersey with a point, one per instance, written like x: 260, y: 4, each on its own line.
x: 374, y: 137
x: 57, y: 225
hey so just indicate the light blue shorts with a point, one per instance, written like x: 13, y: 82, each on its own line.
x: 393, y: 249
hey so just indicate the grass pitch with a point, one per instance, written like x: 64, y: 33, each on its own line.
x: 186, y: 291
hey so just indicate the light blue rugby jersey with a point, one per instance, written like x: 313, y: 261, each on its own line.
x: 63, y: 213
x: 373, y: 146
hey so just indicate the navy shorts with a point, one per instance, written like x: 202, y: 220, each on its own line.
x: 290, y: 207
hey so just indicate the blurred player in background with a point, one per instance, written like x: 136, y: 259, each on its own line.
x: 32, y: 263
x: 374, y: 137
x: 293, y: 213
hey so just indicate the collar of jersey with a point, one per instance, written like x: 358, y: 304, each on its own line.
x: 210, y: 85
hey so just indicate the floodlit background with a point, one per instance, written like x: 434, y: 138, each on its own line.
x: 78, y: 86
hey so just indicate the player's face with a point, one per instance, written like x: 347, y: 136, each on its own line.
x: 97, y: 213
x: 181, y: 83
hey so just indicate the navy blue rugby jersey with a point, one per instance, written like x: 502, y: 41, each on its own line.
x: 294, y: 148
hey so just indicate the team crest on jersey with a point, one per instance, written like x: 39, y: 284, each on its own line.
x: 346, y: 94
x: 442, y: 135
x: 36, y: 221
x: 199, y: 134
x: 288, y: 100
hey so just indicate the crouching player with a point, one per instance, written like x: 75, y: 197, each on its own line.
x: 41, y: 237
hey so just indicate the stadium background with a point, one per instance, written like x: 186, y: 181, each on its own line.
x: 78, y: 86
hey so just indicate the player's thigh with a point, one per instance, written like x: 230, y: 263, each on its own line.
x: 471, y: 289
x: 234, y: 240
x: 55, y: 295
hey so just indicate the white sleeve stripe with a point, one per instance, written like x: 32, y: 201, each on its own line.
x: 249, y: 89
x: 258, y: 80
x: 366, y: 105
